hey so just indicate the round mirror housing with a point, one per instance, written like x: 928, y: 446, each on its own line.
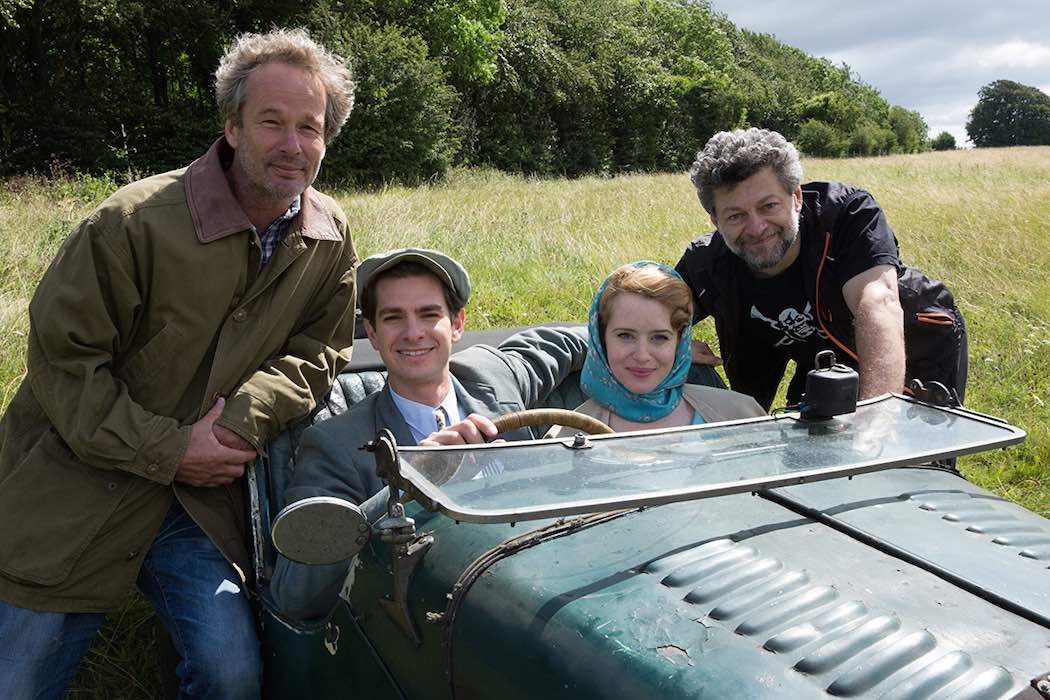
x: 320, y: 530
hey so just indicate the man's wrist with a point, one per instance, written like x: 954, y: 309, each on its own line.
x: 239, y: 426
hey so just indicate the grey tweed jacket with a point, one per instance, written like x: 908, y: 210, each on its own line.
x: 517, y: 375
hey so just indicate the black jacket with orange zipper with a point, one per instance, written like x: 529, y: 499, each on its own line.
x: 934, y: 329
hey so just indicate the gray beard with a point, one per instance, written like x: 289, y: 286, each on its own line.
x: 761, y: 266
x: 269, y: 190
x: 772, y: 259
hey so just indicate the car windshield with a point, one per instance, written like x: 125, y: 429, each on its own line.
x: 548, y: 478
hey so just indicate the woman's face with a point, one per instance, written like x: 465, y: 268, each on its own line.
x: 639, y: 342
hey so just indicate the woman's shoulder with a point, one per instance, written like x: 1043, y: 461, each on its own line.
x: 717, y: 404
x: 591, y: 408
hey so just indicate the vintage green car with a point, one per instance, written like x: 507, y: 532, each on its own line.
x: 764, y: 558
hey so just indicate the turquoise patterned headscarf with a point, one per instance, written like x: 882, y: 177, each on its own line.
x: 598, y: 381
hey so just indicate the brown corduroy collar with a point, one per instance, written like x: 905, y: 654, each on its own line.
x: 216, y: 212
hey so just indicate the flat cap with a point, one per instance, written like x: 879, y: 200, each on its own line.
x: 448, y: 271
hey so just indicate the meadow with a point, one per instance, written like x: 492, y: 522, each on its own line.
x: 537, y: 248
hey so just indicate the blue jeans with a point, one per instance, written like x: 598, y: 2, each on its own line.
x: 197, y: 595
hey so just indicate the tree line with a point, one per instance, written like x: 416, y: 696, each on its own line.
x: 548, y: 87
x: 1008, y: 113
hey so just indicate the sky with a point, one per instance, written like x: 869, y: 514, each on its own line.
x: 930, y: 57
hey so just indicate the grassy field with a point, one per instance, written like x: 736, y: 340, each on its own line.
x: 536, y: 250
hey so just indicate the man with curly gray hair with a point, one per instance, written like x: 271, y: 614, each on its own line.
x: 190, y: 318
x: 793, y: 269
x: 292, y: 47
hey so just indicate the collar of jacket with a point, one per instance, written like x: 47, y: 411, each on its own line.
x: 387, y: 416
x: 216, y: 212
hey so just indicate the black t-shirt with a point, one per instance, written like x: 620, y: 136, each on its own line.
x: 722, y: 286
x: 776, y: 311
x: 777, y: 314
x: 862, y: 238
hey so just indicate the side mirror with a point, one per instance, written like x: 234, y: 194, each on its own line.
x: 320, y: 530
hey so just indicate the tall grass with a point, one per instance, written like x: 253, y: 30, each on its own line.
x: 979, y: 219
x: 536, y: 250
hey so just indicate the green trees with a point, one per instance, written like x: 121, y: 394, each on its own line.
x: 539, y: 86
x: 7, y: 10
x: 602, y: 86
x: 825, y: 108
x: 818, y: 138
x: 909, y: 128
x: 942, y: 142
x: 402, y: 126
x: 1009, y: 114
x: 102, y: 85
x: 871, y: 140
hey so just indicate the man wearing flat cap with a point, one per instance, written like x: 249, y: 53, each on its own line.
x: 412, y: 301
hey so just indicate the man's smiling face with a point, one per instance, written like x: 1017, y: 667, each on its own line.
x: 279, y: 142
x: 414, y: 332
x: 758, y: 220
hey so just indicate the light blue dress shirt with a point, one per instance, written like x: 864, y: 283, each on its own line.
x: 421, y: 418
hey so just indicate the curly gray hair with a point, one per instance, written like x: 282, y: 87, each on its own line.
x: 294, y: 47
x: 730, y: 157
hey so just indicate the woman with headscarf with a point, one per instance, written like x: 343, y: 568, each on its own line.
x: 638, y: 356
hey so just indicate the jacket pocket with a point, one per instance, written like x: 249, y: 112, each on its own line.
x: 141, y: 367
x: 936, y: 318
x: 51, y: 508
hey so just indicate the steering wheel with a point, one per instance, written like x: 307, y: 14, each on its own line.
x: 441, y: 469
x: 536, y: 417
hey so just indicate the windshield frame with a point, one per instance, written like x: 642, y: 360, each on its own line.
x: 435, y: 499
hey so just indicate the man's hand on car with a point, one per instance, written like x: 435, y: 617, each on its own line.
x: 472, y: 430
x: 208, y: 460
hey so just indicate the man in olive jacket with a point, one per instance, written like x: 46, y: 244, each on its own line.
x: 187, y: 320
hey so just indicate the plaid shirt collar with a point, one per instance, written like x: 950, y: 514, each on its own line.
x: 275, y: 231
x: 216, y: 213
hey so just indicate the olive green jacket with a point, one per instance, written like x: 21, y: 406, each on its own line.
x: 154, y: 307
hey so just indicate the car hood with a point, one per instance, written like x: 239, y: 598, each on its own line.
x: 864, y: 588
x: 937, y: 519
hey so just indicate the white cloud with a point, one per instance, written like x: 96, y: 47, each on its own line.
x: 1014, y: 54
x: 931, y: 57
